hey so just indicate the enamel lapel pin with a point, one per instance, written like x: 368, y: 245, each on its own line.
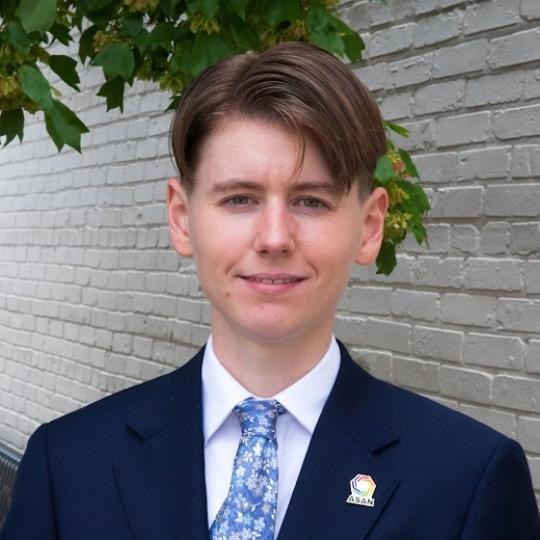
x: 362, y: 489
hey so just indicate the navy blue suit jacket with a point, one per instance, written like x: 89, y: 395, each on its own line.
x: 131, y: 467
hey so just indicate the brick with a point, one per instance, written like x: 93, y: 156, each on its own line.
x: 425, y: 6
x: 439, y: 97
x: 530, y: 9
x: 390, y: 40
x: 410, y: 71
x: 460, y: 59
x: 512, y: 200
x: 534, y: 158
x: 465, y: 238
x: 468, y: 309
x: 464, y: 129
x: 396, y: 106
x: 415, y: 304
x: 488, y: 350
x: 490, y: 15
x: 378, y: 363
x: 457, y: 202
x: 521, y: 166
x: 374, y: 77
x: 484, y: 163
x: 516, y: 393
x: 528, y: 434
x: 433, y: 271
x: 514, y: 49
x: 493, y: 89
x: 525, y: 238
x: 532, y: 84
x: 532, y: 358
x: 437, y: 168
x: 422, y: 135
x: 495, y: 238
x: 440, y: 344
x: 518, y: 122
x: 372, y: 300
x: 465, y: 384
x: 416, y: 374
x: 388, y: 335
x: 502, y: 422
x: 494, y: 274
x: 532, y: 277
x: 438, y: 28
x: 519, y: 315
x: 380, y: 13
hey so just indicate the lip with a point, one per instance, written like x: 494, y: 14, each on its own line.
x: 272, y: 283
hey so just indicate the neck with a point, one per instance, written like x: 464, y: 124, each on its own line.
x: 265, y: 368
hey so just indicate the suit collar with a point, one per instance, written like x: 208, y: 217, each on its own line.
x: 161, y: 479
x: 354, y: 431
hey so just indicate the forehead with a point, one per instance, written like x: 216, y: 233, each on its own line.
x: 256, y: 149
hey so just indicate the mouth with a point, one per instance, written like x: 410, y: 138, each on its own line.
x: 272, y: 282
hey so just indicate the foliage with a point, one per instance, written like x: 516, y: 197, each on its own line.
x: 169, y: 42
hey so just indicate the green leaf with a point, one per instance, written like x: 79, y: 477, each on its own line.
x: 61, y: 33
x: 386, y: 260
x: 162, y: 36
x: 64, y: 126
x: 181, y: 59
x: 36, y: 15
x: 113, y: 91
x: 418, y: 201
x: 116, y: 60
x: 86, y: 47
x: 35, y: 85
x: 243, y: 35
x: 409, y: 165
x: 237, y: 6
x: 132, y: 24
x: 330, y: 41
x: 207, y: 49
x: 277, y: 11
x: 354, y: 45
x: 17, y: 37
x: 396, y: 128
x: 11, y: 125
x: 173, y: 105
x: 318, y: 19
x: 90, y: 6
x: 418, y: 229
x: 208, y: 8
x: 384, y: 171
x: 142, y: 40
x: 65, y: 68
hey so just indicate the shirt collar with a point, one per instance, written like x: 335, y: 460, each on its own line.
x: 304, y: 399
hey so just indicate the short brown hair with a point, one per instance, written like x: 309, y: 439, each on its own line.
x: 297, y: 85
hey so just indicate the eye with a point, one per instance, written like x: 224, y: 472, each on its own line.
x: 312, y: 202
x: 238, y: 200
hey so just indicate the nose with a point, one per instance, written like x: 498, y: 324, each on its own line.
x: 275, y: 232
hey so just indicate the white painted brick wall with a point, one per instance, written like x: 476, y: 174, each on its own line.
x: 92, y: 299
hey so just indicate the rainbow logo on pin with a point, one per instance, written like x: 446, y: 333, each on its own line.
x: 362, y: 490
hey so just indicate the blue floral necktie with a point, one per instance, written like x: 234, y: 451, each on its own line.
x: 249, y: 511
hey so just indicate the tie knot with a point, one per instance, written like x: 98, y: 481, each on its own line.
x: 258, y: 417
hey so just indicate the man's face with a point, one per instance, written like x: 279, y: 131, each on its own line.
x: 273, y: 246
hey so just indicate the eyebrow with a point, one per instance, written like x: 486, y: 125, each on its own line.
x: 236, y: 184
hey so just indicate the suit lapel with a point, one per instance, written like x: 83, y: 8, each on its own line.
x: 162, y: 480
x: 354, y: 429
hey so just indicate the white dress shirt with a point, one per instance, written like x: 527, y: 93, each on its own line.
x: 304, y: 401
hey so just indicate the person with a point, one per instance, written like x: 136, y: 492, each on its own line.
x: 271, y: 430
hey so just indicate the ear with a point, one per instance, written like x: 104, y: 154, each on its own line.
x: 374, y: 211
x: 177, y: 211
